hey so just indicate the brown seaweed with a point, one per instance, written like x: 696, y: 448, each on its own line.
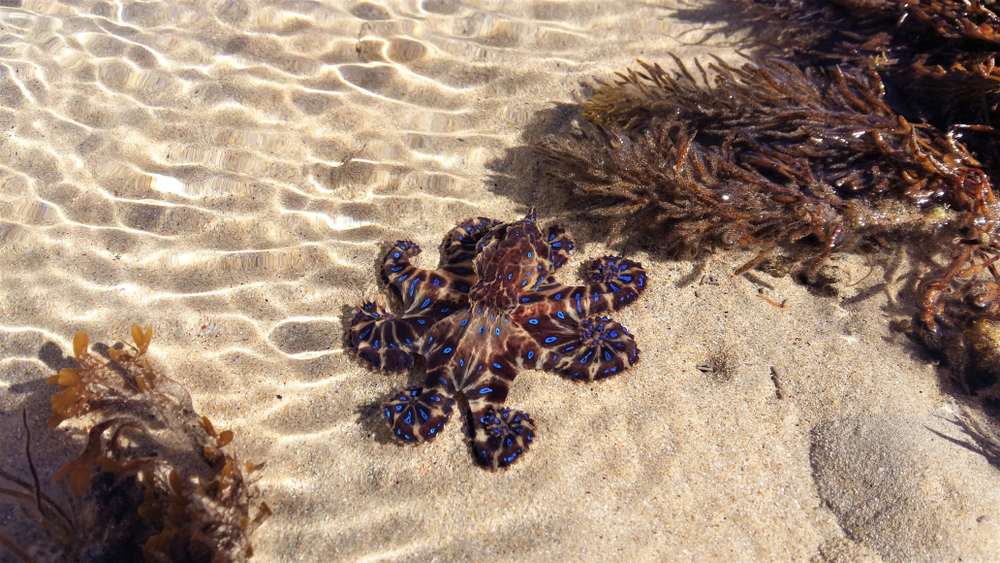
x: 765, y: 154
x: 152, y: 470
x: 939, y: 56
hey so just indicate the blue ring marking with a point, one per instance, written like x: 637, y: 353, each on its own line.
x: 531, y: 354
x: 560, y: 315
x: 364, y: 334
x: 395, y: 255
x: 481, y: 330
x: 529, y: 255
x: 485, y: 390
x: 436, y: 281
x: 498, y: 366
x: 498, y: 331
x: 421, y: 321
x: 586, y: 357
x: 402, y: 277
x: 533, y: 321
x: 550, y: 340
x: 464, y: 322
x: 447, y: 350
x: 558, y: 296
x: 425, y: 303
x: 461, y: 362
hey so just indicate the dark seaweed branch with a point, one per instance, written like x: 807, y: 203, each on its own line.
x: 143, y: 435
x: 764, y: 154
x: 937, y: 55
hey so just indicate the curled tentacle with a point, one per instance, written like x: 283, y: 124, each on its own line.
x: 617, y: 283
x: 501, y: 437
x: 593, y: 348
x: 428, y: 295
x: 381, y: 338
x: 416, y: 415
x: 561, y: 244
x: 601, y: 348
x: 460, y: 246
x: 622, y: 279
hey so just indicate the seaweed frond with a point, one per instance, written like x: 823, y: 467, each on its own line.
x: 151, y: 465
x: 764, y: 154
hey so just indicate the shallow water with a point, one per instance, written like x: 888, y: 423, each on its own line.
x: 231, y: 172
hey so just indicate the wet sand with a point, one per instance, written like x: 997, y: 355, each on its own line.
x: 232, y: 173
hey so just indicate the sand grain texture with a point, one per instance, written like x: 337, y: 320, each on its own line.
x: 232, y: 173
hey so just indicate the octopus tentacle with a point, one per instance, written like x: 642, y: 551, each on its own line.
x: 591, y: 348
x: 618, y: 282
x: 501, y: 436
x: 417, y: 415
x: 383, y: 339
x: 561, y: 244
x: 600, y: 348
x: 621, y: 279
x: 459, y: 247
x: 428, y: 295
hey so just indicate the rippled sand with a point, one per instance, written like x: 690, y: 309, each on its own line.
x: 231, y: 173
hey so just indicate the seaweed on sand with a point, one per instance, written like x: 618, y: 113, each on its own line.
x: 153, y: 474
x: 818, y: 30
x: 765, y: 154
x: 939, y: 55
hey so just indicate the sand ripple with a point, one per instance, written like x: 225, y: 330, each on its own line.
x: 230, y: 172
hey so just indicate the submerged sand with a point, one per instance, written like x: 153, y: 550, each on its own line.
x: 231, y: 173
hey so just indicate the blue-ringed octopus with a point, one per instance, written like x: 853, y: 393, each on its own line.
x: 492, y: 310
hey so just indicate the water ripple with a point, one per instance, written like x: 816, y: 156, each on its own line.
x: 231, y: 173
